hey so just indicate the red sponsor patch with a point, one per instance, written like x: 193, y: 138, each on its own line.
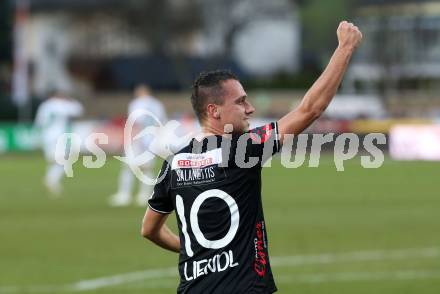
x: 182, y: 163
x: 262, y: 134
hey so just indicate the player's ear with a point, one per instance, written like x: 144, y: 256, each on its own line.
x: 213, y: 111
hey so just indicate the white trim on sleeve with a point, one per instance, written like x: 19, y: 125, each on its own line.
x: 277, y: 137
x: 159, y: 211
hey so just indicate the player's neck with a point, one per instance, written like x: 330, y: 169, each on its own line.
x: 210, y: 130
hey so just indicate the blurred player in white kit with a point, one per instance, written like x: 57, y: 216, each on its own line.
x: 143, y: 100
x: 54, y: 118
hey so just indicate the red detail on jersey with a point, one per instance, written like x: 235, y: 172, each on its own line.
x: 264, y: 133
x: 194, y: 163
x: 260, y: 257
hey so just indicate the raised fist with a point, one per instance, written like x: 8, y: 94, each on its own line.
x: 349, y: 35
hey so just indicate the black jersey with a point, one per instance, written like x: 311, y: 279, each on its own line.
x: 215, y: 188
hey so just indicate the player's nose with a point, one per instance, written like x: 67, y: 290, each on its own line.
x: 249, y: 108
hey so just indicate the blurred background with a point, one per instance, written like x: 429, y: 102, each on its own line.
x: 98, y: 50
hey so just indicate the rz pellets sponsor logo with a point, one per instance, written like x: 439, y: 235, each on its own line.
x: 260, y: 255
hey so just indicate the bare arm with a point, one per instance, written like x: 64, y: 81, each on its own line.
x: 324, y: 89
x: 154, y: 229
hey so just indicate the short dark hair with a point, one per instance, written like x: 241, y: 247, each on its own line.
x: 207, y: 89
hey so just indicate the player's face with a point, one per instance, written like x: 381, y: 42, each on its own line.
x: 236, y: 109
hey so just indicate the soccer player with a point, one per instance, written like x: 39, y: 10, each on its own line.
x: 214, y: 184
x: 143, y: 100
x: 54, y: 118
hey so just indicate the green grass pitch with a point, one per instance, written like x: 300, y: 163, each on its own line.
x: 357, y: 231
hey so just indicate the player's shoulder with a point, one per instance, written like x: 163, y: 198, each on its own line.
x: 42, y: 105
x: 135, y: 102
x: 169, y: 160
x: 70, y: 103
x: 156, y: 102
x: 185, y: 149
x: 49, y: 105
x: 48, y: 102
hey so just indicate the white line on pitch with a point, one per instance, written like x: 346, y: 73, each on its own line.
x: 358, y: 276
x: 325, y: 258
x: 92, y: 284
x: 284, y: 261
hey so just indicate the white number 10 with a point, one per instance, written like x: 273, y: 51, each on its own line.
x: 194, y: 221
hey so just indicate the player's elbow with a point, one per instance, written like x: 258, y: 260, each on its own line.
x: 147, y: 232
x: 312, y: 111
x: 316, y: 113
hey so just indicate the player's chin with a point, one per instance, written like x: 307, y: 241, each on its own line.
x: 240, y: 128
x: 246, y: 125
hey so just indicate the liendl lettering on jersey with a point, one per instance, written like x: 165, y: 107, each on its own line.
x: 260, y: 255
x: 217, y: 263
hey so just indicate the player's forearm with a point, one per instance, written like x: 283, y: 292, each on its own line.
x: 324, y: 89
x: 165, y: 238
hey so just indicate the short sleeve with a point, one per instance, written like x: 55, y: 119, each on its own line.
x: 160, y: 201
x: 265, y: 141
